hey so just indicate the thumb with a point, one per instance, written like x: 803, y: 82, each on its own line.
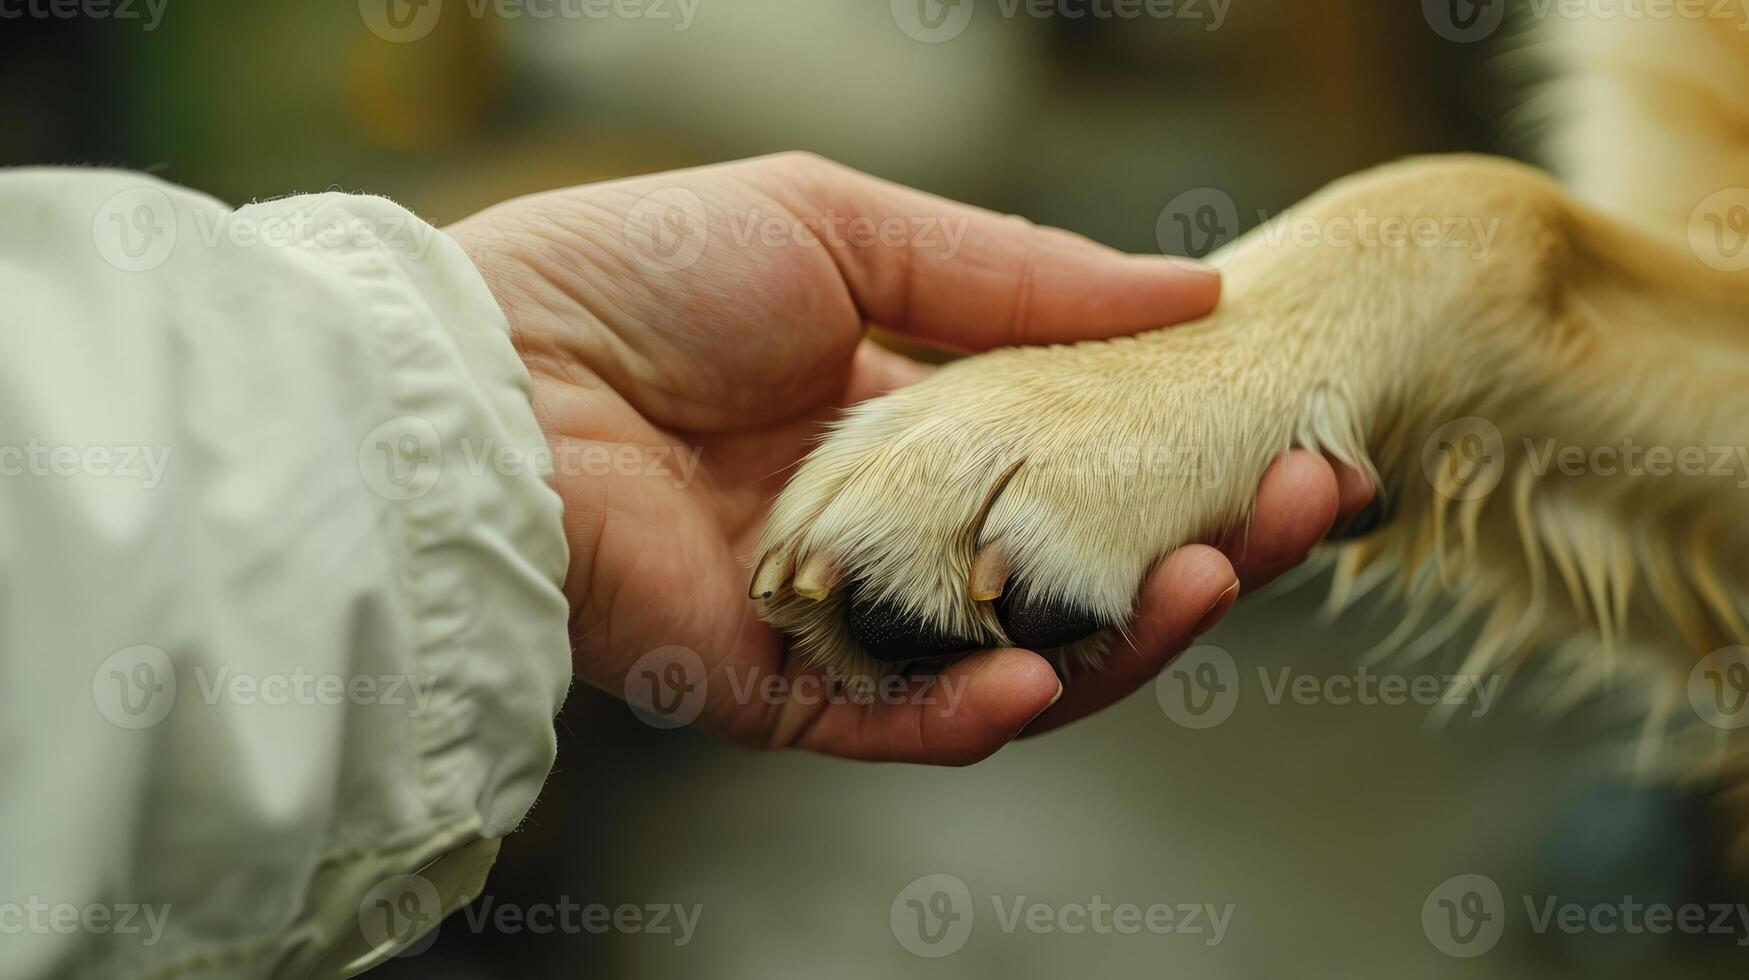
x: 973, y: 279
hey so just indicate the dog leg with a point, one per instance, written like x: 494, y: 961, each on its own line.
x: 1021, y: 497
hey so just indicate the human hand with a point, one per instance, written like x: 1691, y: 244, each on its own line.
x: 689, y: 333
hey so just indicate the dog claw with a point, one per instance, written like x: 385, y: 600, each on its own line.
x: 770, y: 575
x: 818, y: 576
x: 990, y: 571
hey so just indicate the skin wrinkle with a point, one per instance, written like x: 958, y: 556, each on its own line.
x: 852, y: 269
x: 1019, y: 320
x: 669, y: 398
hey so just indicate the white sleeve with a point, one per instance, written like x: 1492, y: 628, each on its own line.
x: 281, y: 628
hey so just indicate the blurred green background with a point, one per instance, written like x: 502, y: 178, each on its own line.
x: 1327, y: 831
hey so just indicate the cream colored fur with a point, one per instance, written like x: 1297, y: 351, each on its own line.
x: 1583, y: 317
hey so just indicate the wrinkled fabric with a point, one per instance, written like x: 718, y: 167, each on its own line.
x: 281, y: 628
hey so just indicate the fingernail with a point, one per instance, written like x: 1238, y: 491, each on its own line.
x: 1192, y: 266
x: 1059, y: 696
x: 1218, y: 611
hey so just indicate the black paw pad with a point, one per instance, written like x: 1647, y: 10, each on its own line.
x: 890, y: 635
x: 1039, y: 625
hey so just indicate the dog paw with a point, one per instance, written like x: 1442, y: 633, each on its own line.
x: 1021, y: 497
x: 1015, y: 499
